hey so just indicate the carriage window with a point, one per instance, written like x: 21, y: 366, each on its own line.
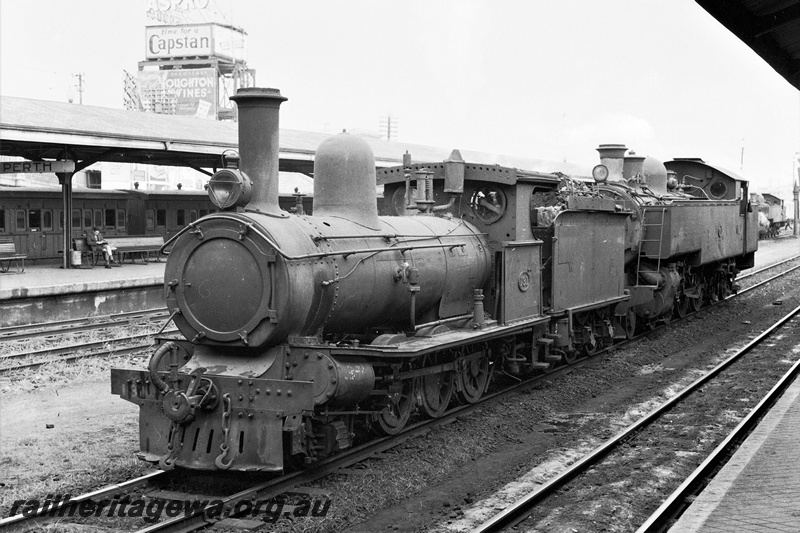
x: 98, y: 218
x: 76, y: 219
x: 181, y: 217
x: 21, y: 219
x: 203, y: 212
x: 61, y: 219
x: 121, y: 218
x: 2, y: 220
x: 111, y: 217
x: 87, y: 219
x: 192, y: 216
x: 161, y: 217
x: 47, y: 220
x: 151, y: 219
x: 35, y: 219
x: 94, y: 179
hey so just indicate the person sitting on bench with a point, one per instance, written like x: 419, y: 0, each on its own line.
x: 96, y: 241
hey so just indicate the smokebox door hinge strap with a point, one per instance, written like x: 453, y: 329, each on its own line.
x: 199, y: 233
x: 171, y: 287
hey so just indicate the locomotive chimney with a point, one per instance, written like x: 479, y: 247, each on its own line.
x: 258, y: 144
x: 611, y: 156
x: 344, y: 180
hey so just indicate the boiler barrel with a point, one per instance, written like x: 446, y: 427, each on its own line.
x: 257, y: 280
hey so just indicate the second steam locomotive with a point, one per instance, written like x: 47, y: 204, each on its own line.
x: 302, y: 335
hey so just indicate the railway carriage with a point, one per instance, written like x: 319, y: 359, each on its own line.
x: 302, y: 335
x: 34, y: 216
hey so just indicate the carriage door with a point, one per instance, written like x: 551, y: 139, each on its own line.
x: 37, y: 243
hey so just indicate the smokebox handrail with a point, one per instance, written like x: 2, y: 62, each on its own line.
x: 344, y: 253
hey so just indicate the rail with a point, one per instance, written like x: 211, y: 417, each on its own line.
x: 518, y: 511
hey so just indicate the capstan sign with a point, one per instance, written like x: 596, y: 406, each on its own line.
x: 190, y: 40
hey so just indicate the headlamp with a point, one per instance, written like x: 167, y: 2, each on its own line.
x: 600, y: 173
x: 229, y: 188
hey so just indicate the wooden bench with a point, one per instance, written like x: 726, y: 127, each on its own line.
x: 143, y: 245
x: 129, y: 245
x: 9, y: 256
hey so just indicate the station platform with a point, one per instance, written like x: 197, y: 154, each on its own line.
x: 52, y: 280
x: 758, y: 490
x: 48, y: 293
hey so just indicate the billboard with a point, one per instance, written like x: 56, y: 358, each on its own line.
x: 179, y: 92
x: 192, y: 40
x: 187, y: 11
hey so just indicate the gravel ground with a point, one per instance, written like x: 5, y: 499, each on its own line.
x: 428, y: 483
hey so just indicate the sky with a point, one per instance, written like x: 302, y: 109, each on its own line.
x: 545, y: 79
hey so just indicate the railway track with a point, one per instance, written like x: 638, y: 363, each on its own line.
x: 271, y: 488
x: 31, y: 356
x: 77, y: 325
x: 768, y: 267
x: 658, y: 424
x: 75, y: 352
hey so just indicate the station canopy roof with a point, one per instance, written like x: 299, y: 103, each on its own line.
x: 40, y: 130
x: 770, y: 27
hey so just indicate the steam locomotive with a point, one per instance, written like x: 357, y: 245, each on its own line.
x: 303, y: 335
x: 771, y: 214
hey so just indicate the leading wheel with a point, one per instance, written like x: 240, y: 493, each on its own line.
x: 436, y: 389
x: 472, y: 379
x: 393, y: 420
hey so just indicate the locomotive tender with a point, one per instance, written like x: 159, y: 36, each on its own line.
x: 303, y: 334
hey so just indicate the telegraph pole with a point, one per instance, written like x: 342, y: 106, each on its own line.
x: 796, y: 192
x: 388, y: 127
x: 80, y: 87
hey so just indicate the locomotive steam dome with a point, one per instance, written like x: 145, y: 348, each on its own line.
x: 656, y: 175
x: 344, y: 180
